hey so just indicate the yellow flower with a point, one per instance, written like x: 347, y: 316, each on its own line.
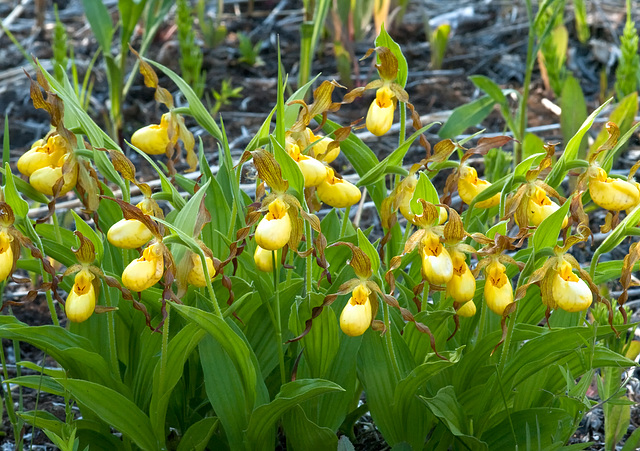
x: 469, y: 186
x: 274, y: 230
x: 320, y: 145
x: 313, y: 170
x: 153, y: 139
x: 44, y: 179
x: 41, y: 155
x: 498, y: 291
x: 612, y: 194
x: 130, y: 233
x: 437, y: 266
x: 81, y: 301
x: 263, y: 259
x: 338, y: 193
x: 355, y: 318
x: 196, y: 274
x: 380, y: 114
x: 462, y: 285
x: 570, y: 293
x: 468, y: 309
x: 540, y: 207
x: 146, y: 271
x: 6, y: 255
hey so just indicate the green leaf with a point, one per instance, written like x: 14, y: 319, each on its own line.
x: 532, y: 144
x: 445, y: 406
x: 623, y: 116
x: 290, y: 169
x: 198, y: 435
x: 633, y: 441
x: 291, y: 394
x: 546, y: 234
x: 490, y: 88
x: 394, y: 159
x: 424, y: 190
x: 38, y: 382
x: 43, y: 420
x: 109, y: 405
x: 384, y: 40
x: 574, y: 111
x: 465, y: 116
x: 100, y: 21
x: 367, y: 248
x: 91, y: 235
x: 26, y: 189
x: 615, y: 238
x: 559, y: 170
x: 303, y: 433
x: 18, y: 204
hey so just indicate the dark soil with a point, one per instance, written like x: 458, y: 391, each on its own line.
x: 489, y: 38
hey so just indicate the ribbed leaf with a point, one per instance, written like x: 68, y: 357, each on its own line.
x: 466, y: 116
x: 304, y: 434
x: 198, y: 435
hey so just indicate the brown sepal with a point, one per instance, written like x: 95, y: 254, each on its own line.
x: 86, y: 252
x: 132, y: 212
x: 360, y: 261
x: 269, y: 170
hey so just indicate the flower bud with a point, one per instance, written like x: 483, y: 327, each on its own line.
x: 274, y: 230
x: 462, y: 285
x: 263, y: 259
x: 6, y: 255
x: 81, y: 301
x: 44, y: 179
x: 146, y: 271
x: 152, y: 139
x: 196, y: 274
x: 540, y: 207
x: 338, y: 193
x: 570, y: 293
x: 498, y: 291
x: 355, y: 318
x: 468, y: 309
x: 437, y: 267
x: 612, y: 194
x: 380, y: 114
x: 469, y: 186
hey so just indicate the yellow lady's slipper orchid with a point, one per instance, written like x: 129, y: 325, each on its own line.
x: 81, y: 301
x: 146, y: 271
x: 42, y: 155
x: 130, y: 233
x: 44, y: 179
x: 263, y: 259
x: 540, y: 207
x: 274, y: 230
x: 437, y: 266
x: 468, y: 309
x: 469, y: 186
x: 570, y: 293
x: 612, y: 194
x: 153, y: 139
x: 320, y: 145
x: 462, y: 285
x: 380, y: 114
x: 196, y: 274
x: 498, y: 291
x: 355, y: 318
x: 338, y: 193
x: 6, y: 255
x: 313, y: 170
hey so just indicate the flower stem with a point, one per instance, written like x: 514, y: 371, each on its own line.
x: 111, y: 330
x: 403, y: 123
x: 387, y: 339
x: 278, y: 321
x: 309, y: 260
x: 507, y: 343
x: 345, y: 221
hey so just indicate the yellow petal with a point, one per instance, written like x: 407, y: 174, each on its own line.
x: 469, y: 186
x: 6, y: 255
x: 437, y: 266
x: 263, y: 259
x: 196, y: 274
x: 44, y: 179
x: 42, y: 155
x: 320, y: 149
x: 462, y: 285
x: 81, y: 301
x: 540, y: 207
x: 355, y: 318
x: 498, y: 292
x: 570, y: 293
x: 338, y: 193
x: 313, y: 171
x: 468, y: 309
x: 274, y: 230
x: 613, y: 194
x: 152, y: 139
x: 145, y: 271
x: 129, y: 234
x: 380, y: 114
